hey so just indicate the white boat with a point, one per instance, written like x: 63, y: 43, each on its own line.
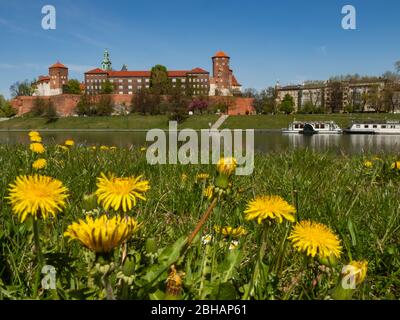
x: 374, y: 127
x: 313, y: 127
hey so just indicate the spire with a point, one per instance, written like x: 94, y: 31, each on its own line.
x: 106, y: 64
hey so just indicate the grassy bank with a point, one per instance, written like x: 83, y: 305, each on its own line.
x: 137, y: 122
x: 359, y: 204
x: 131, y: 122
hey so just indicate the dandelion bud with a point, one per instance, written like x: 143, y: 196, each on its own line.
x: 174, y: 285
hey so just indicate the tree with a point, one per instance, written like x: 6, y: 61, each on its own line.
x: 159, y: 81
x: 104, y: 107
x: 199, y: 105
x: 397, y: 66
x: 24, y: 88
x: 6, y: 109
x: 86, y: 106
x: 179, y: 105
x: 107, y: 87
x: 336, y: 95
x: 72, y: 87
x: 265, y: 101
x: 287, y: 104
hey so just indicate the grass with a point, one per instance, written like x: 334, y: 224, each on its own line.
x: 361, y: 205
x: 138, y: 122
x: 131, y: 122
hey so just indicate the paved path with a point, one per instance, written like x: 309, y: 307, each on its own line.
x: 220, y: 121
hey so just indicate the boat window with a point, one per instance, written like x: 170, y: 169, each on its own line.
x: 296, y: 126
x: 392, y: 127
x: 323, y: 126
x: 383, y: 126
x: 374, y: 126
x: 317, y: 126
x: 366, y: 126
x: 302, y: 126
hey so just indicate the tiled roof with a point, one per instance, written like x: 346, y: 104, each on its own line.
x: 58, y: 65
x: 43, y: 79
x: 129, y: 73
x: 146, y: 74
x: 221, y: 54
x: 96, y: 71
x: 235, y: 83
x: 198, y: 70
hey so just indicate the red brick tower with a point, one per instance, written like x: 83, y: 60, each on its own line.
x: 58, y: 76
x: 222, y: 74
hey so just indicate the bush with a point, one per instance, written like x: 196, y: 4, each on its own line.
x: 86, y: 106
x: 104, y: 107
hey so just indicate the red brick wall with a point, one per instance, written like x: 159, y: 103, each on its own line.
x: 65, y: 104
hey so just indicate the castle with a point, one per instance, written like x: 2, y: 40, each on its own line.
x: 197, y: 81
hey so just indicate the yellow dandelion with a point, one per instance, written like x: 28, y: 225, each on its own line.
x: 34, y: 134
x: 143, y: 149
x: 39, y: 164
x: 36, y: 139
x: 37, y: 148
x: 272, y: 207
x: 103, y: 234
x: 63, y: 148
x: 315, y: 238
x: 368, y: 164
x: 69, y: 143
x: 226, y: 166
x: 113, y: 148
x: 208, y: 192
x: 358, y: 270
x: 184, y: 177
x: 104, y: 148
x: 38, y: 196
x: 120, y: 193
x: 231, y: 232
x: 396, y: 165
x: 202, y: 177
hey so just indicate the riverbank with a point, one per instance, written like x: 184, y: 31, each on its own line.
x: 138, y: 122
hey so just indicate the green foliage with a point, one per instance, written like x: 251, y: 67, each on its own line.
x: 72, y: 87
x: 287, y: 104
x: 23, y: 88
x: 6, y: 110
x: 159, y: 81
x: 104, y: 107
x: 86, y: 106
x: 107, y: 87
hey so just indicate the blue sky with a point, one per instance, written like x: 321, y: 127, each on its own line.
x: 287, y: 40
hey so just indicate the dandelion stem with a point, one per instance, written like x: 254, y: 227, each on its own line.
x: 256, y: 271
x: 39, y: 257
x: 202, y: 221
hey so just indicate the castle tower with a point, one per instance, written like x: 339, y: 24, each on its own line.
x: 58, y: 77
x: 106, y: 64
x: 222, y: 73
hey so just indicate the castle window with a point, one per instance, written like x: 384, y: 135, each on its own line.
x: 139, y: 80
x: 130, y: 92
x: 130, y: 80
x: 174, y: 80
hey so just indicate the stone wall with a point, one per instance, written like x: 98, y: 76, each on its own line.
x: 65, y: 104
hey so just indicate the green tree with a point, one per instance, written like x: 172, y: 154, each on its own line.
x: 287, y: 104
x: 86, y: 106
x: 24, y: 88
x: 159, y: 81
x: 107, y: 87
x: 105, y: 106
x: 6, y: 109
x: 72, y: 87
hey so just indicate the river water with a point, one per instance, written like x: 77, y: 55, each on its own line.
x: 265, y: 141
